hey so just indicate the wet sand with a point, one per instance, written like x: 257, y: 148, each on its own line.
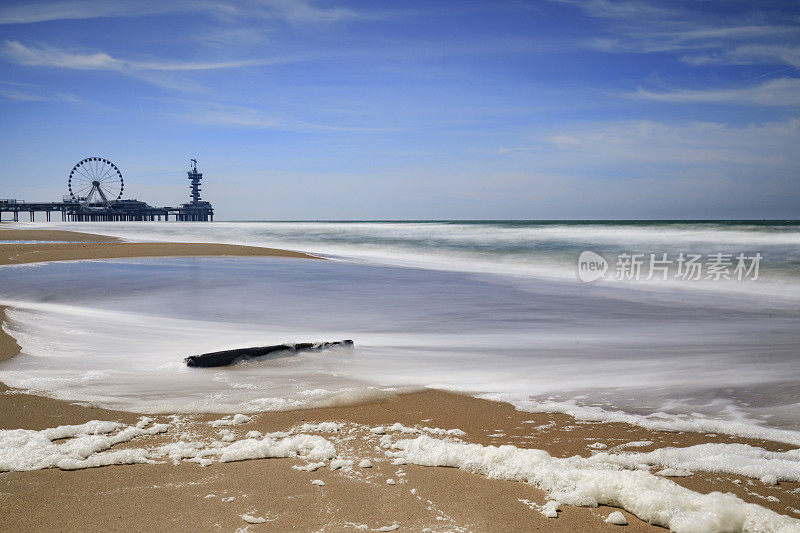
x: 8, y: 234
x: 74, y: 246
x: 165, y: 497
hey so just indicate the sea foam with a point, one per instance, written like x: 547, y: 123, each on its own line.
x: 581, y: 482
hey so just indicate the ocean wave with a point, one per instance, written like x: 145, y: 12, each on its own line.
x: 529, y: 249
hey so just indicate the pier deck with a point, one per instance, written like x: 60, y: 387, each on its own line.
x: 122, y: 211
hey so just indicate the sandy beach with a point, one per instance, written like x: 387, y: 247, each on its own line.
x: 273, y: 494
x: 70, y: 246
x: 336, y: 265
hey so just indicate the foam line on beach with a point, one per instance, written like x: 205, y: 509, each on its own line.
x: 620, y: 479
x: 580, y: 482
x: 653, y: 421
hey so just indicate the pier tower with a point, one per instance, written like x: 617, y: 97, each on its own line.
x: 196, y: 209
x: 195, y: 176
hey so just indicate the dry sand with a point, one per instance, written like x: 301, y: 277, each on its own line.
x: 189, y: 497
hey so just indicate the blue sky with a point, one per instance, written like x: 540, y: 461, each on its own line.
x: 411, y: 110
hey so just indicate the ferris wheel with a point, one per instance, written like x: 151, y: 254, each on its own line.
x: 95, y: 182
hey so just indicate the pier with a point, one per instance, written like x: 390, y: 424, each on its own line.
x: 95, y: 195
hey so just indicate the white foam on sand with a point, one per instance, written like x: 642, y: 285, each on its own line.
x: 674, y: 472
x: 309, y: 467
x: 658, y: 421
x: 549, y: 509
x: 250, y: 519
x: 322, y: 427
x: 235, y: 420
x: 89, y: 445
x: 616, y: 518
x: 381, y: 430
x: 308, y: 446
x: 634, y: 444
x: 739, y: 459
x: 82, y: 446
x: 586, y: 482
x: 623, y: 480
x: 345, y: 464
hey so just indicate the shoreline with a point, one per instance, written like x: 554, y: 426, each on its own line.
x: 75, y: 246
x: 283, y: 496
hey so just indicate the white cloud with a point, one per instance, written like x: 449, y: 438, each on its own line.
x: 697, y: 144
x: 731, y: 32
x: 27, y: 92
x: 51, y: 57
x: 31, y: 12
x: 707, y: 44
x: 751, y: 54
x: 300, y: 11
x: 292, y: 11
x: 702, y: 36
x: 236, y: 116
x: 689, y: 35
x: 23, y: 96
x: 43, y: 56
x: 777, y: 92
x: 32, y: 96
x: 620, y: 9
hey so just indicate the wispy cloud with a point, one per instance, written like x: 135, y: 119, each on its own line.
x: 43, y: 56
x: 292, y: 11
x: 207, y: 114
x: 51, y: 57
x: 702, y: 38
x: 619, y: 9
x: 638, y: 147
x: 722, y: 43
x: 24, y: 92
x: 696, y: 144
x: 23, y: 96
x: 237, y: 116
x: 300, y: 11
x: 778, y: 92
x: 31, y: 12
x: 750, y: 54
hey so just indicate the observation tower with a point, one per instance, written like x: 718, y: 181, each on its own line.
x: 196, y: 209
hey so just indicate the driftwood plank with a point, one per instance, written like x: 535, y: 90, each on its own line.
x: 227, y: 357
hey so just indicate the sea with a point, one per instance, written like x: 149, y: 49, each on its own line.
x: 686, y: 324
